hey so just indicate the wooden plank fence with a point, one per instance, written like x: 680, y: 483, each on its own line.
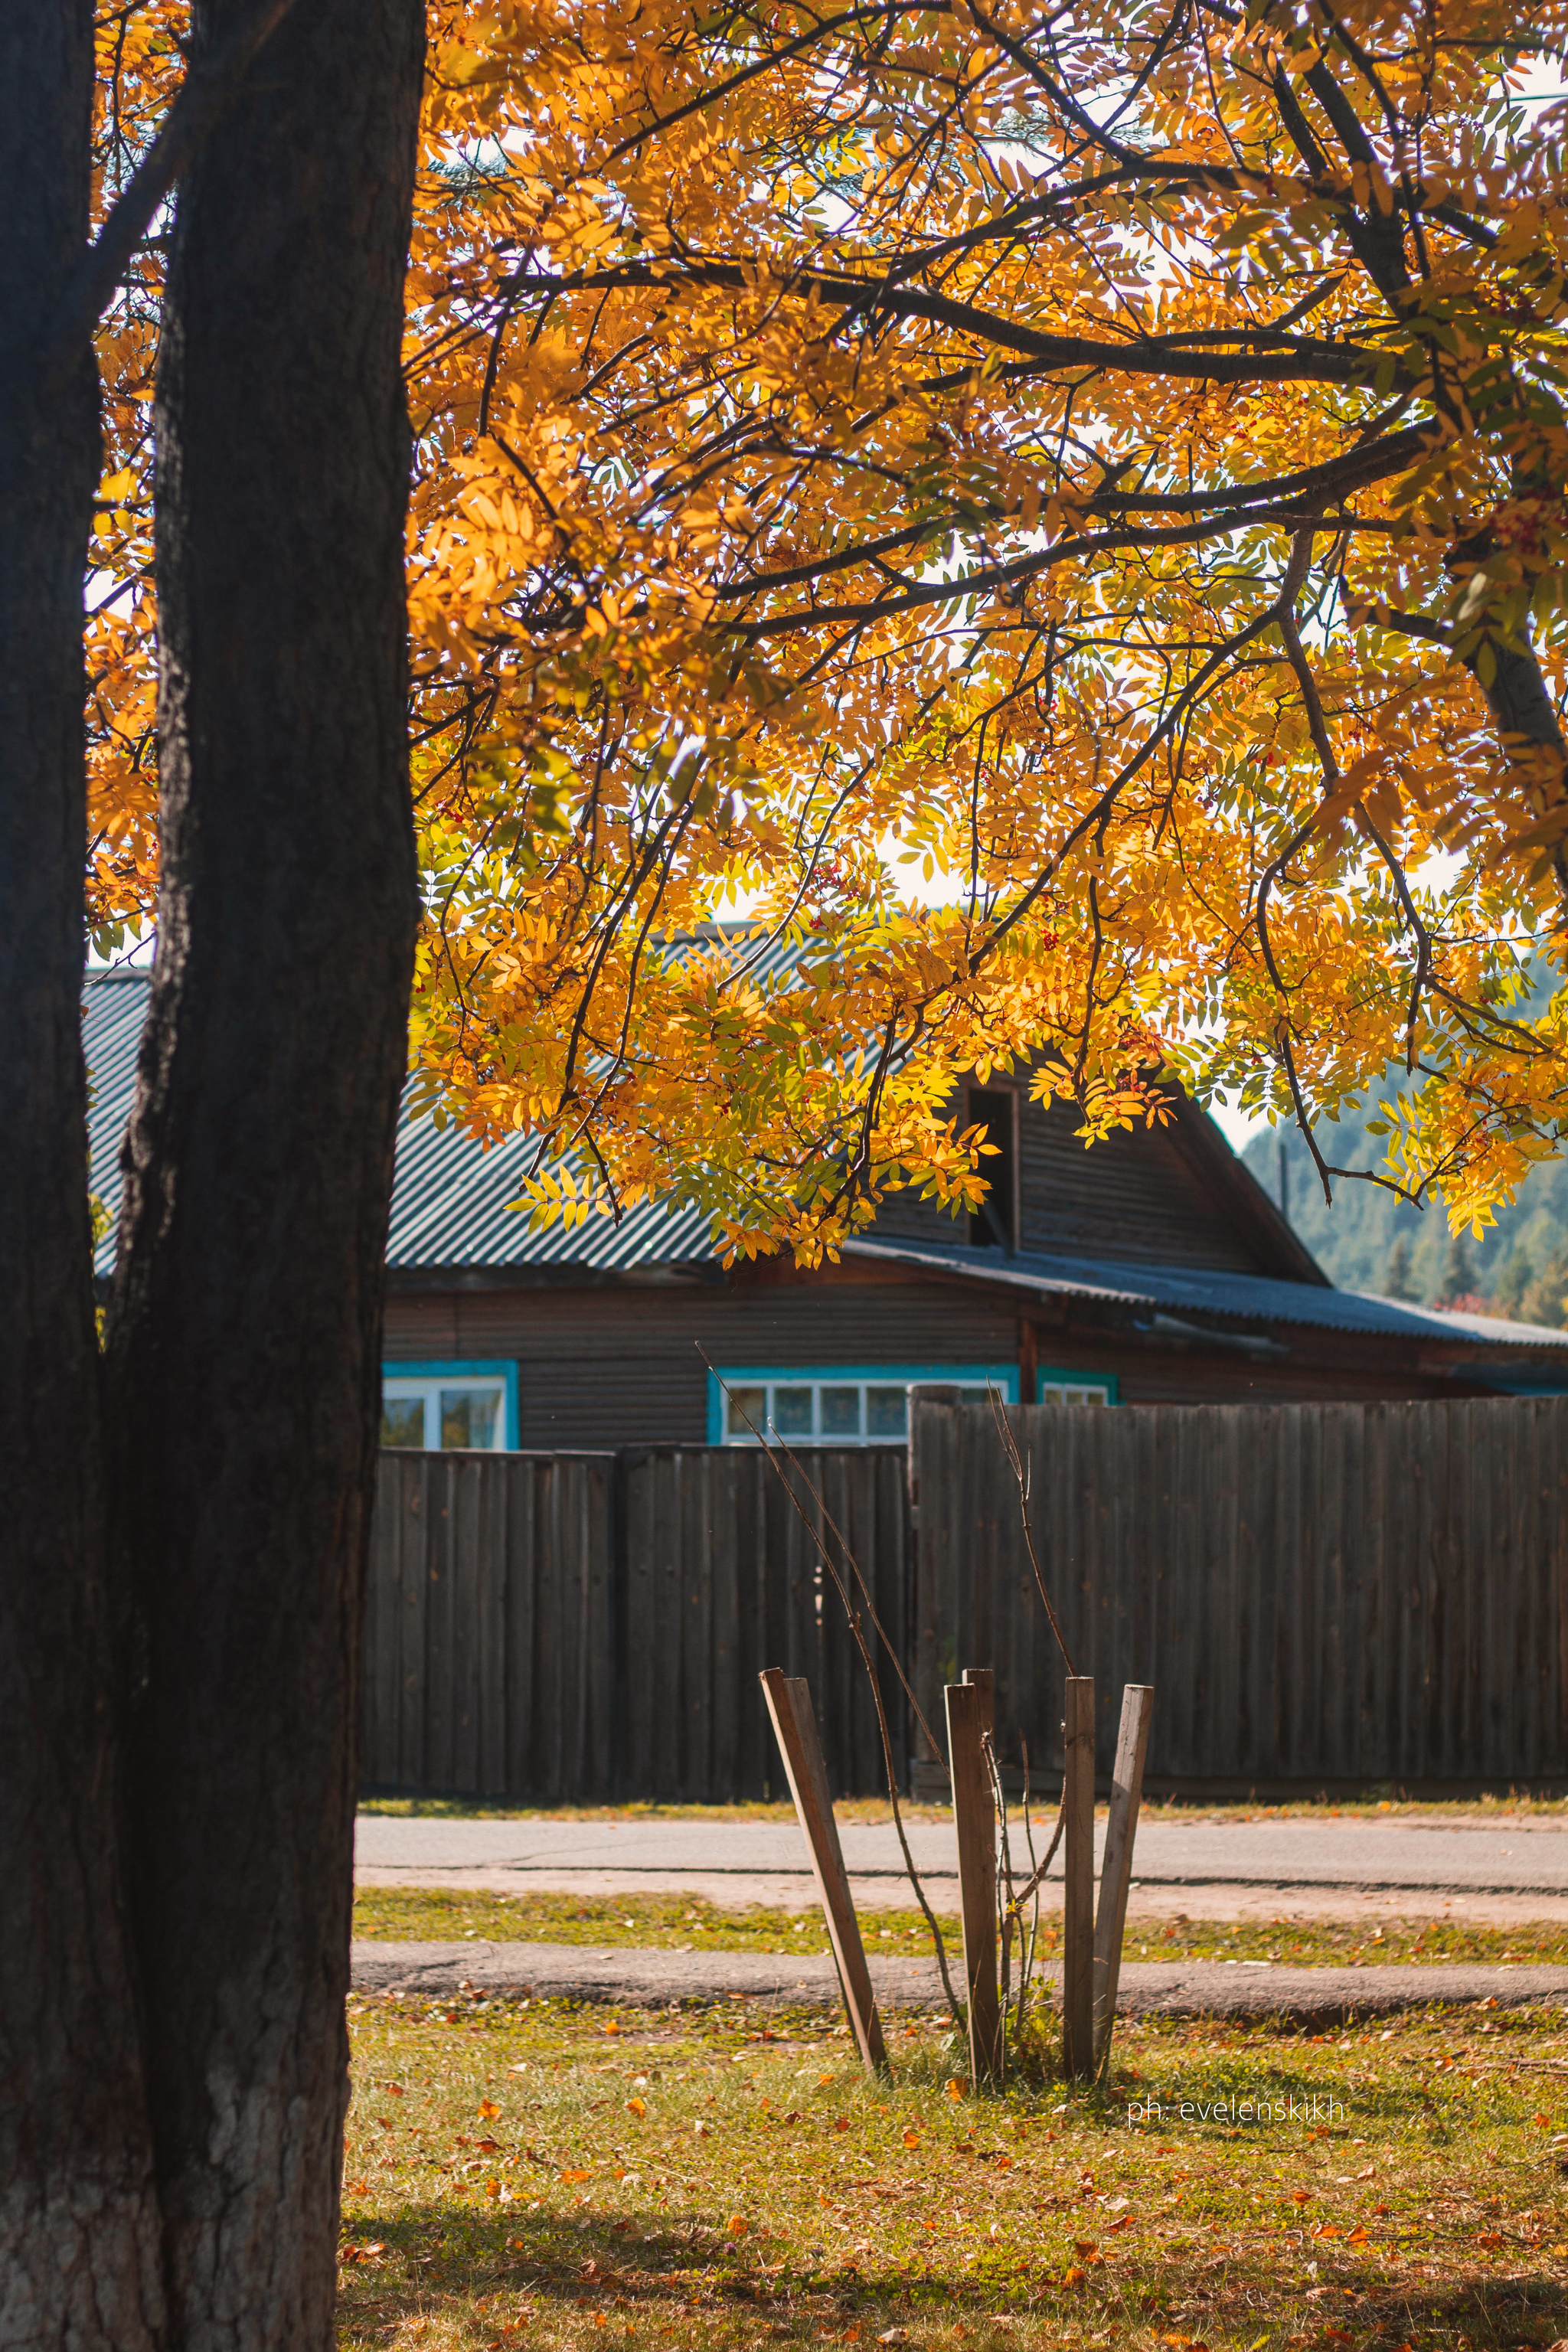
x: 582, y: 1625
x: 489, y: 1615
x: 1319, y: 1592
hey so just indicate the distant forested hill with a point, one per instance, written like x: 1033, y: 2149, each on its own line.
x: 1368, y: 1240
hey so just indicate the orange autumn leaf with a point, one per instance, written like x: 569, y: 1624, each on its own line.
x: 1079, y: 653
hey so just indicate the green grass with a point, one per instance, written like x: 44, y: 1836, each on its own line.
x: 531, y: 2175
x: 683, y: 1923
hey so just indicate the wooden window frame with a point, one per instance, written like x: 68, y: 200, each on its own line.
x: 457, y: 1372
x: 1003, y: 1378
x: 1016, y: 1089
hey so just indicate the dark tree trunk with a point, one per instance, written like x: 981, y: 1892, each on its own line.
x: 79, y: 2238
x: 245, y: 1328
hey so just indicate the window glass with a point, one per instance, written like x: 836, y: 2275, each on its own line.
x: 848, y: 1407
x: 792, y: 1411
x: 743, y: 1405
x: 840, y: 1412
x: 887, y: 1412
x: 1064, y: 1392
x: 468, y: 1418
x: 403, y: 1420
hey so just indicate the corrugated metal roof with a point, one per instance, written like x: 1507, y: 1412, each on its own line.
x: 1252, y: 1298
x: 115, y: 1005
x: 451, y: 1208
x: 450, y: 1202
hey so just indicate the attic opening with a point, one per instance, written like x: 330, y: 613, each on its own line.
x: 994, y: 1224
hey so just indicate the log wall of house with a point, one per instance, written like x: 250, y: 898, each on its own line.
x: 1140, y: 1195
x: 618, y: 1363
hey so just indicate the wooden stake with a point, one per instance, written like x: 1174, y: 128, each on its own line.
x: 795, y: 1727
x: 969, y: 1705
x: 1077, y: 1919
x: 1116, y: 1870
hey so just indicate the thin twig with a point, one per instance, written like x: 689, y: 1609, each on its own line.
x: 1020, y: 1475
x: 853, y: 1615
x: 208, y: 86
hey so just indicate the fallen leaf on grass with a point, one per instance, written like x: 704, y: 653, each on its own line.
x: 636, y: 2106
x: 363, y: 2253
x: 912, y: 2139
x: 488, y: 2107
x: 574, y: 2173
x: 359, y: 2189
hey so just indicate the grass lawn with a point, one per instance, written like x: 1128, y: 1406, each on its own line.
x: 682, y: 1923
x: 524, y: 2173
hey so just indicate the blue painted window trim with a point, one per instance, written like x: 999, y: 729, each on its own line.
x: 468, y: 1369
x: 1003, y: 1377
x: 1057, y: 1376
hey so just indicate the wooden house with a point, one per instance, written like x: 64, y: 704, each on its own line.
x: 1151, y: 1269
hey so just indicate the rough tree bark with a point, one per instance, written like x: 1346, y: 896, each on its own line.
x: 245, y: 1324
x: 77, y: 2214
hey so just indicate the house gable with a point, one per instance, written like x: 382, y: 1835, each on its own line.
x: 1171, y: 1195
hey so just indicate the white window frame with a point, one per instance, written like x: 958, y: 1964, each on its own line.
x: 427, y: 1381
x: 1053, y: 1387
x: 980, y: 1378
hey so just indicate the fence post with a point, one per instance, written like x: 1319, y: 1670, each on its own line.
x: 1116, y: 1870
x: 969, y: 1706
x: 1077, y: 1893
x: 795, y: 1726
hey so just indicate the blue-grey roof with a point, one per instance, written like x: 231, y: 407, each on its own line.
x: 115, y: 1005
x: 452, y: 1196
x: 1184, y: 1289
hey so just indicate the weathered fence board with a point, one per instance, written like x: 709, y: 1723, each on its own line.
x: 578, y: 1625
x: 489, y: 1656
x: 1319, y: 1592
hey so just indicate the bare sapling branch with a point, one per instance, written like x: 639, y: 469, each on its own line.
x: 853, y: 1615
x: 1021, y: 1471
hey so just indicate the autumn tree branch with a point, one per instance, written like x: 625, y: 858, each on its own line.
x: 210, y: 82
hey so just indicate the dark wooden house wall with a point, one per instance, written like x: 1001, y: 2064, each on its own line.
x: 618, y: 1365
x: 1171, y: 1195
